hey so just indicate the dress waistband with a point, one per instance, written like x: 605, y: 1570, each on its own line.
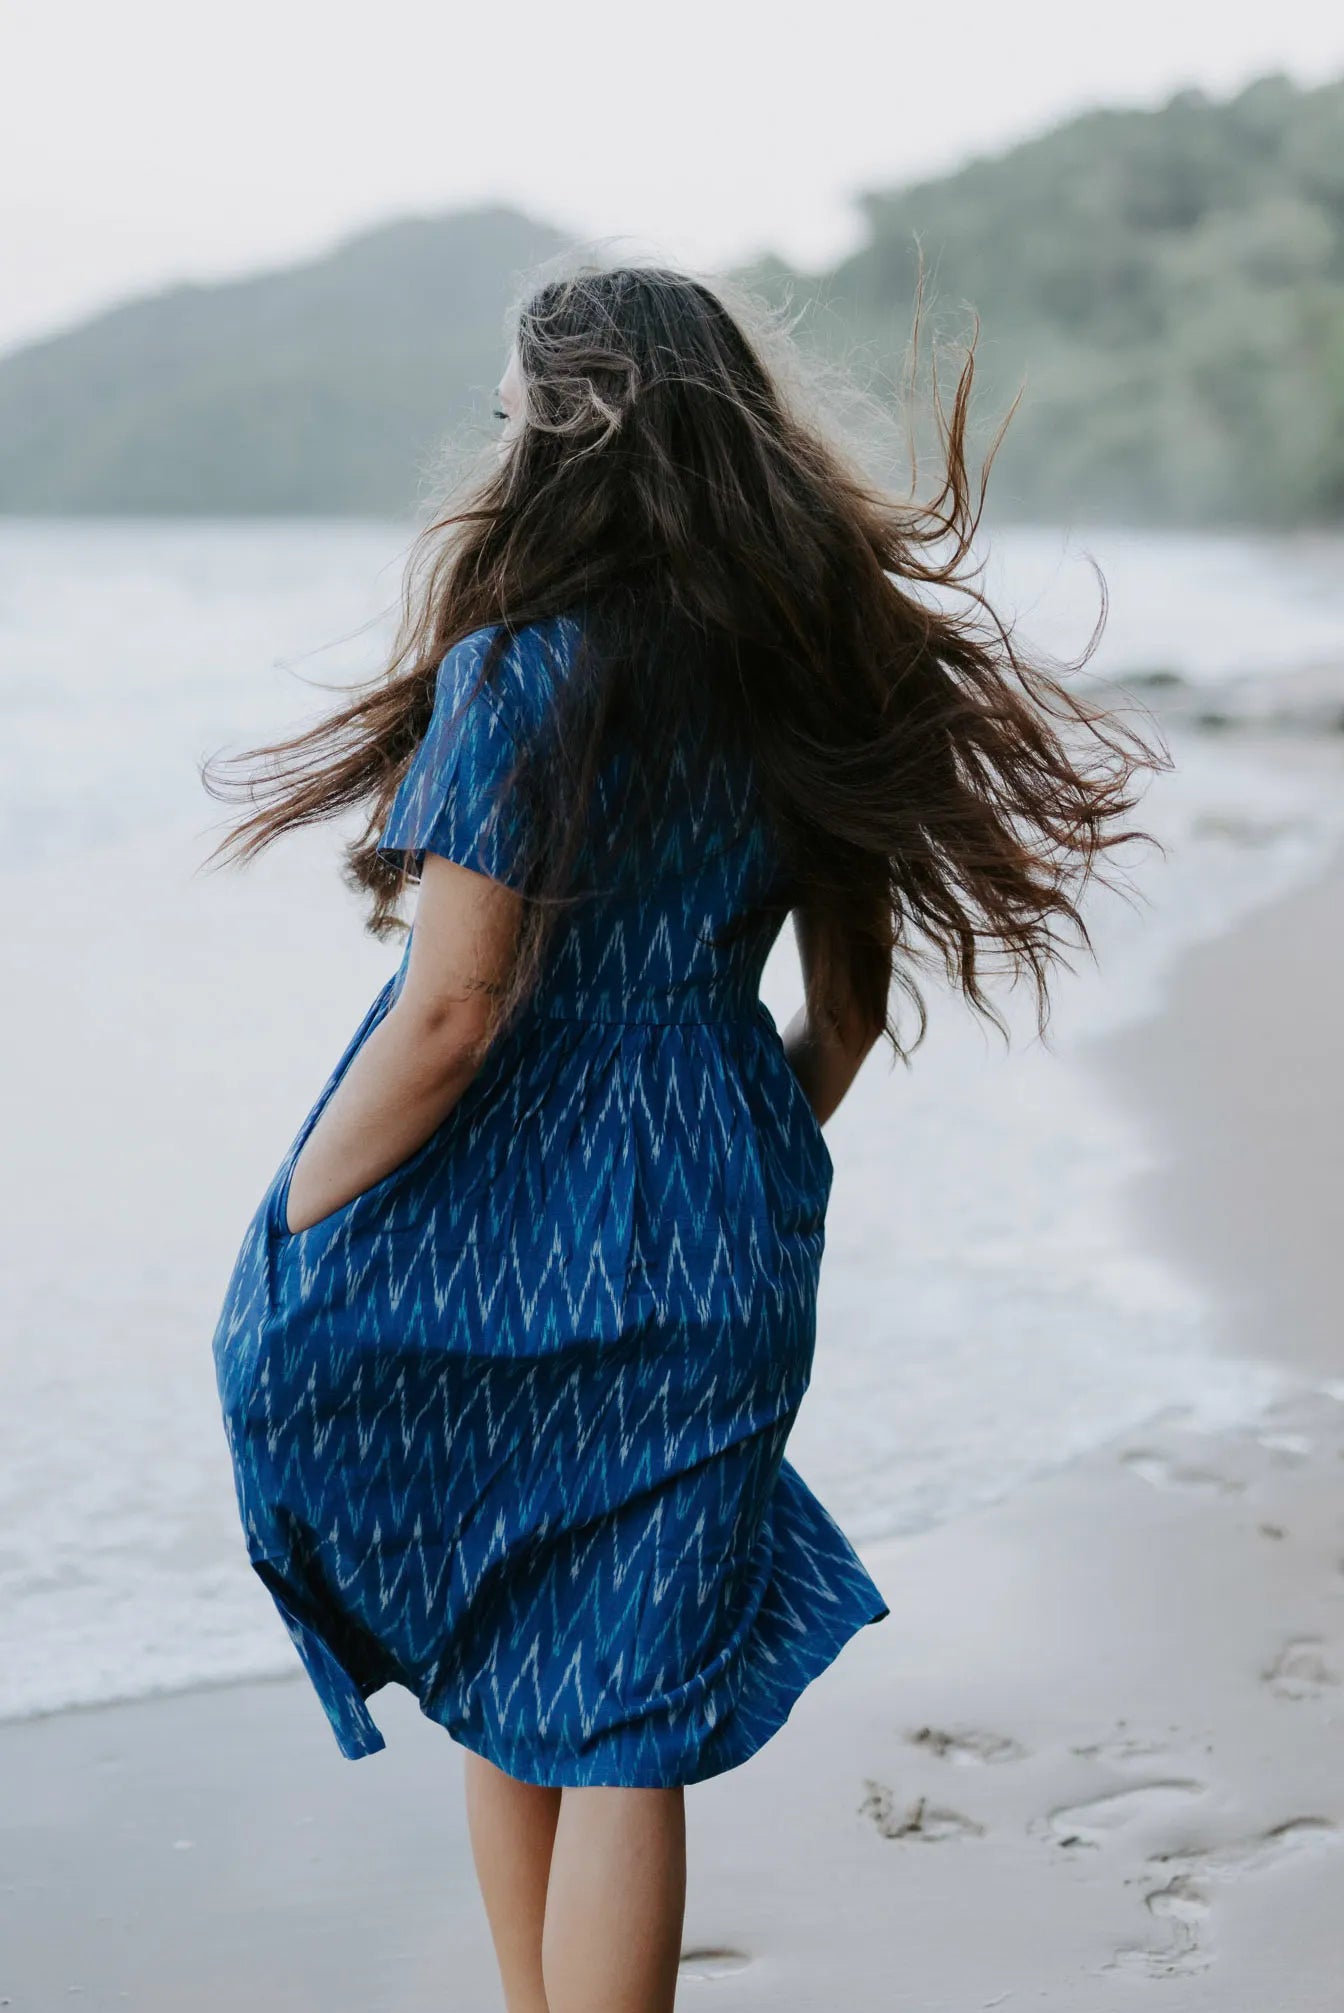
x: 699, y: 1006
x: 702, y: 1005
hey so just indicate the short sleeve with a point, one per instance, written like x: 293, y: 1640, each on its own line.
x: 452, y: 799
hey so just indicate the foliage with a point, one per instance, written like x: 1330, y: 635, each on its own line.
x: 1167, y: 288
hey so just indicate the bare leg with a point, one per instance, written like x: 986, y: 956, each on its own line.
x: 616, y: 1900
x: 512, y: 1827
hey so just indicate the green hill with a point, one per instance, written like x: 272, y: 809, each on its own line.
x: 322, y: 388
x: 1171, y: 283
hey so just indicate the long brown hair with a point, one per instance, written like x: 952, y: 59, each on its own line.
x: 936, y: 796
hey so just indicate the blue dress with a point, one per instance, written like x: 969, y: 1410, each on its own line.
x: 508, y: 1428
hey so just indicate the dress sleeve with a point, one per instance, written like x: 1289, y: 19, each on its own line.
x: 452, y: 801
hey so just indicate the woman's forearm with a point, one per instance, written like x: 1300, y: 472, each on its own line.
x: 400, y: 1087
x: 823, y: 1065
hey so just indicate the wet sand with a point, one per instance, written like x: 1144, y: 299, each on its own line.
x: 1244, y: 1077
x: 1094, y: 1759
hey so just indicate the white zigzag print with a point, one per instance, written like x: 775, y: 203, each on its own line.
x: 508, y: 1428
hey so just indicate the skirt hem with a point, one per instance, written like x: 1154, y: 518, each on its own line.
x: 725, y: 1746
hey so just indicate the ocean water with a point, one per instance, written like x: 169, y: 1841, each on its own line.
x: 986, y: 1312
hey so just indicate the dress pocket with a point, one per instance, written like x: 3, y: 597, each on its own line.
x: 276, y: 1211
x: 372, y: 1198
x: 809, y: 1123
x: 792, y: 1155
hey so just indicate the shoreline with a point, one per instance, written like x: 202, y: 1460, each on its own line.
x: 1164, y: 1068
x: 922, y: 1341
x: 1248, y: 1192
x: 1081, y: 1762
x: 1090, y: 1733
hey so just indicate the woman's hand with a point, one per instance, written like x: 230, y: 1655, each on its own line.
x: 418, y: 1061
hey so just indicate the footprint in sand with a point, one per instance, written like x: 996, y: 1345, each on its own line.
x: 1183, y: 1903
x: 1302, y: 1669
x: 967, y: 1745
x: 1181, y: 1907
x: 1295, y: 1834
x: 1092, y: 1823
x: 706, y: 1965
x: 1121, y: 1750
x: 1162, y: 1472
x: 920, y: 1819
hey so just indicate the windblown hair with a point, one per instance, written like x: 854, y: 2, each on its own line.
x: 936, y: 797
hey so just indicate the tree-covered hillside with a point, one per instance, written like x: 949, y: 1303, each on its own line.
x: 324, y: 388
x: 1169, y: 283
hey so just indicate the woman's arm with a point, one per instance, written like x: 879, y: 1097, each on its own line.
x: 420, y: 1058
x: 825, y: 1059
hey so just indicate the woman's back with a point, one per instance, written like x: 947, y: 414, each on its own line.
x: 641, y: 1108
x: 677, y: 849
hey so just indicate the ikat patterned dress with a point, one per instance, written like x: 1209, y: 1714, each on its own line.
x: 508, y: 1428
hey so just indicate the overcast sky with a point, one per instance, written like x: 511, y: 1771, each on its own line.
x: 147, y: 141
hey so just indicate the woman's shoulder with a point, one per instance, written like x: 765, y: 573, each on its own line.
x: 527, y: 666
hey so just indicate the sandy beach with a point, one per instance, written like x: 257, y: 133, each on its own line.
x: 1094, y: 1759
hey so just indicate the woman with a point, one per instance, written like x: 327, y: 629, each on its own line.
x: 517, y: 1335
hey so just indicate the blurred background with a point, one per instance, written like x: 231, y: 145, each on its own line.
x: 255, y: 270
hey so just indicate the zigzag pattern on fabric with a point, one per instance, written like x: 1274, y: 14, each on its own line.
x: 508, y: 1428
